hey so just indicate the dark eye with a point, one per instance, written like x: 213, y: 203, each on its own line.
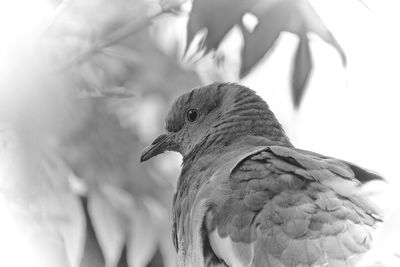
x: 192, y: 115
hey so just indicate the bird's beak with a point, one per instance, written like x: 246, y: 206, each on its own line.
x: 159, y: 145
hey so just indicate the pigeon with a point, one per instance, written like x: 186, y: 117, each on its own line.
x: 247, y: 197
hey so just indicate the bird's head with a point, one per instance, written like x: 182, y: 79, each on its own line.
x: 214, y: 116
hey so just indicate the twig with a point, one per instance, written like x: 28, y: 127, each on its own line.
x: 364, y: 4
x: 113, y: 38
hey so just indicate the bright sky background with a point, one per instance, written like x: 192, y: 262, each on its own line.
x: 349, y: 113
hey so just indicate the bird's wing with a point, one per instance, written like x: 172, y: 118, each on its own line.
x: 279, y: 206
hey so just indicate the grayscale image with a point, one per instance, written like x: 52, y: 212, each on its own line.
x: 199, y: 133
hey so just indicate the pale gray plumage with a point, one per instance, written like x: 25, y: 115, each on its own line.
x: 247, y: 197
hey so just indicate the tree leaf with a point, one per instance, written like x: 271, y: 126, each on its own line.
x: 144, y: 234
x: 301, y: 70
x: 108, y: 225
x: 262, y: 39
x: 217, y: 16
x: 295, y: 16
x: 73, y: 231
x: 92, y: 252
x: 306, y: 19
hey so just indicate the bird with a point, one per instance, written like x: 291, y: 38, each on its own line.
x: 246, y: 196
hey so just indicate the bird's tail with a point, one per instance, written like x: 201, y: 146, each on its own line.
x: 386, y: 250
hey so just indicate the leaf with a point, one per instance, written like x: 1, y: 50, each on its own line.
x: 145, y: 232
x: 262, y: 39
x: 295, y: 16
x: 92, y: 252
x: 217, y: 16
x: 73, y: 230
x: 301, y: 70
x: 307, y: 20
x: 108, y: 225
x: 121, y: 223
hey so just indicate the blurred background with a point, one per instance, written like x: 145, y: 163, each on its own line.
x: 85, y: 85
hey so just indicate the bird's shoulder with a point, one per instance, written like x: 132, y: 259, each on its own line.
x: 284, y: 206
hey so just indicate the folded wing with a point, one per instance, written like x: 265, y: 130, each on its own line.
x: 280, y: 206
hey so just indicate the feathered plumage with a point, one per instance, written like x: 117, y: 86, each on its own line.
x: 247, y: 197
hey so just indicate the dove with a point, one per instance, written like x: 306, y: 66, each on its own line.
x: 247, y: 197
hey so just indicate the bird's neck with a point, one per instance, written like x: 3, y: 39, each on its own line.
x: 206, y: 158
x: 244, y: 115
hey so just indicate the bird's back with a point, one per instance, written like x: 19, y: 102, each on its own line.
x: 279, y: 206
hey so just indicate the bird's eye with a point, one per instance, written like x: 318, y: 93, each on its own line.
x: 191, y: 115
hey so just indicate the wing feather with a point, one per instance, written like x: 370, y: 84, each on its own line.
x: 277, y: 206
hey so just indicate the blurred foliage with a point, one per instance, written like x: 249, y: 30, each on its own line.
x: 76, y: 172
x: 91, y: 90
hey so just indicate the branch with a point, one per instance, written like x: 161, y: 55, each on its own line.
x: 364, y: 4
x: 114, y: 37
